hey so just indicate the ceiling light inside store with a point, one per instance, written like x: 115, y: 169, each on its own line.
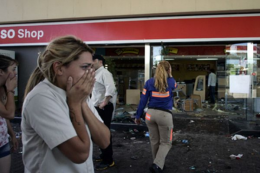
x: 207, y: 59
x: 169, y: 59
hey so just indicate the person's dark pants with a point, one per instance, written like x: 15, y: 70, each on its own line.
x: 106, y: 115
x: 212, y: 94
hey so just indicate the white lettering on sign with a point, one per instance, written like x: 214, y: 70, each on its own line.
x: 22, y: 33
x: 7, y: 33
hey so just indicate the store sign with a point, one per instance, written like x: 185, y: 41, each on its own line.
x: 172, y: 50
x: 139, y: 30
x: 237, y: 48
x: 20, y: 34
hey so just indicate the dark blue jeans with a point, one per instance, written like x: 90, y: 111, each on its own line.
x: 212, y: 94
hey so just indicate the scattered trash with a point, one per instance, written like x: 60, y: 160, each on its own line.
x: 146, y: 134
x: 185, y: 141
x: 132, y: 138
x: 220, y: 110
x: 121, y: 114
x: 239, y: 137
x: 123, y: 119
x: 132, y: 112
x: 191, y: 121
x: 232, y: 156
x: 215, y: 106
x: 192, y: 167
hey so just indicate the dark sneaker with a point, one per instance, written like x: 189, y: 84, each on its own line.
x: 155, y: 169
x: 103, y: 166
x: 97, y: 159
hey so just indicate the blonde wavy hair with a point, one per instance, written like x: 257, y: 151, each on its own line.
x: 64, y: 50
x: 161, y: 75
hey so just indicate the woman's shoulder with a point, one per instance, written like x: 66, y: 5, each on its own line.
x: 150, y: 81
x: 41, y: 89
x: 171, y: 79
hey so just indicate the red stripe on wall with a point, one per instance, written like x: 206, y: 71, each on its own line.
x: 187, y: 28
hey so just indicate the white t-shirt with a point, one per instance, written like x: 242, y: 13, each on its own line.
x: 46, y: 124
x: 104, y: 86
x: 212, y: 79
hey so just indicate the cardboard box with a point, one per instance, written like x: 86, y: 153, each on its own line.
x: 196, y: 99
x: 223, y: 82
x: 188, y: 105
x: 133, y: 96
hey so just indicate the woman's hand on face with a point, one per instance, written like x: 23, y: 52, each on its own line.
x: 11, y: 82
x: 79, y: 91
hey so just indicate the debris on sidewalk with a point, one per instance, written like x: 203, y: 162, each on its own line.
x: 185, y: 141
x: 236, y: 137
x: 215, y: 106
x: 192, y: 168
x: 232, y: 156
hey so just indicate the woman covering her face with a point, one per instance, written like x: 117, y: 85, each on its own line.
x: 58, y: 121
x: 8, y: 82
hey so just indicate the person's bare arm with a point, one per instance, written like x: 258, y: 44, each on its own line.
x: 12, y: 135
x: 77, y: 148
x: 99, y: 132
x: 7, y: 111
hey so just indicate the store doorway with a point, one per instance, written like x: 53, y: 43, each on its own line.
x: 126, y: 63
